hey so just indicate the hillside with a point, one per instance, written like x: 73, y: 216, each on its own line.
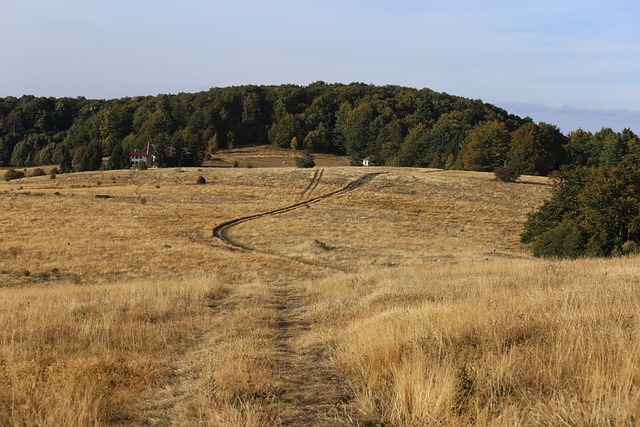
x: 389, y: 125
x: 404, y: 298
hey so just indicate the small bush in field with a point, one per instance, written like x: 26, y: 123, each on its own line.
x: 630, y: 247
x: 566, y: 240
x: 38, y: 172
x: 12, y: 174
x: 506, y: 174
x: 306, y: 161
x: 201, y: 180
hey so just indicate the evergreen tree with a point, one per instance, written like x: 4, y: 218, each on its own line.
x: 119, y: 159
x: 66, y: 160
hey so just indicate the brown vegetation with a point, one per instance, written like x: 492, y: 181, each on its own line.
x: 408, y: 301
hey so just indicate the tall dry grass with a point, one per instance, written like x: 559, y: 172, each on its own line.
x: 84, y: 355
x: 502, y: 343
x: 466, y: 329
x: 239, y: 382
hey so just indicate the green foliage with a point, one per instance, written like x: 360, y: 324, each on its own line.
x: 66, y: 161
x: 536, y: 149
x: 565, y: 240
x: 391, y: 125
x: 282, y: 132
x: 89, y: 158
x: 487, y: 146
x: 306, y: 161
x: 12, y: 174
x: 119, y: 159
x: 593, y: 212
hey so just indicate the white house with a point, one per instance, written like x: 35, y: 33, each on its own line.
x: 365, y: 161
x: 146, y: 156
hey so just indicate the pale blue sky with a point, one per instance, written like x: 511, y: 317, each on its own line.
x: 574, y: 63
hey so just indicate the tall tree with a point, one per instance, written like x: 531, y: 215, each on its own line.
x: 487, y: 147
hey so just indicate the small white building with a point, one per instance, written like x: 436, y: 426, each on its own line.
x: 147, y: 157
x: 365, y: 161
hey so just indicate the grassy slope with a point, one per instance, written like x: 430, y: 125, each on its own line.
x: 126, y: 310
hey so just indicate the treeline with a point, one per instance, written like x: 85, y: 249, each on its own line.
x: 594, y: 211
x: 394, y: 126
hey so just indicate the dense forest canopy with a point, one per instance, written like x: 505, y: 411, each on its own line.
x: 392, y: 125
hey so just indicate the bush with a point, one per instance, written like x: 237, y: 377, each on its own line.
x: 506, y: 174
x: 563, y: 241
x: 630, y: 247
x: 306, y: 161
x: 12, y: 174
x: 201, y: 180
x: 38, y: 172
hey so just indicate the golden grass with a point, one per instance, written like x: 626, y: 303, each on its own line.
x: 83, y: 355
x: 265, y: 156
x: 125, y: 310
x: 500, y: 343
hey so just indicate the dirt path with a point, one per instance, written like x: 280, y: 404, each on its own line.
x: 309, y: 392
x: 222, y: 231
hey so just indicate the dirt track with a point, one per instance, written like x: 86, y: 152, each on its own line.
x: 310, y: 392
x: 222, y: 231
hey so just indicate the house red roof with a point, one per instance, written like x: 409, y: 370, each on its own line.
x: 138, y: 153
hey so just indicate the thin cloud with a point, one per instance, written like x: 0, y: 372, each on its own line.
x: 569, y: 118
x: 574, y: 52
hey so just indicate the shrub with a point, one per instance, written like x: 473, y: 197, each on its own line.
x: 564, y: 241
x: 630, y: 247
x: 506, y: 174
x: 201, y: 180
x: 306, y: 161
x: 38, y: 172
x: 12, y: 174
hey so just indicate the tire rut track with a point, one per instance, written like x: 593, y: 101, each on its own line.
x: 221, y: 231
x: 317, y: 176
x: 310, y: 392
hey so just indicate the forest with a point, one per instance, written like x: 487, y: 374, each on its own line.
x: 392, y: 125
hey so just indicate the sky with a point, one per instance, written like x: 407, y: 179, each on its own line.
x: 572, y: 63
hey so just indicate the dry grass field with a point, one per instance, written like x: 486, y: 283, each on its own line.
x: 407, y: 301
x: 267, y: 156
